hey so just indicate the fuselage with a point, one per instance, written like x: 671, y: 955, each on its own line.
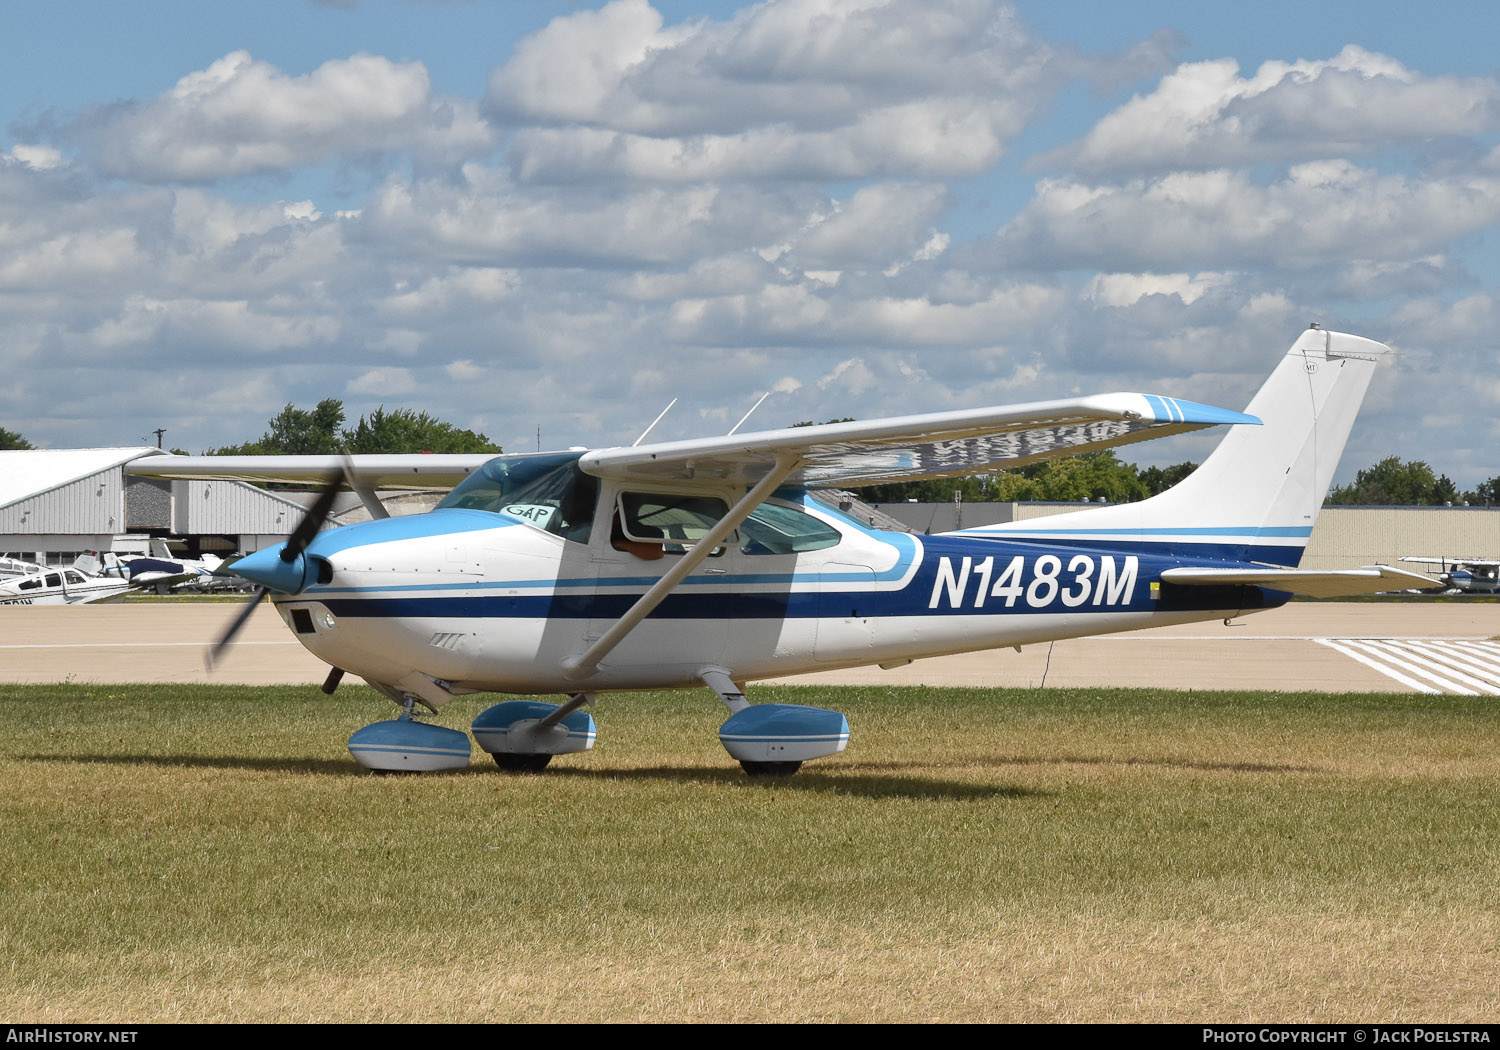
x: 484, y: 600
x: 58, y: 587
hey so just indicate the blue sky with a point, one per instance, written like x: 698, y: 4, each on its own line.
x: 563, y: 215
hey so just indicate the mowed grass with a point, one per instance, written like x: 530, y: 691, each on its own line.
x: 181, y: 853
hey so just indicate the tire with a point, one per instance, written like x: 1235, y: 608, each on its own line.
x: 769, y: 769
x: 517, y: 763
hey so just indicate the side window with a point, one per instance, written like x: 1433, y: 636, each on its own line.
x: 74, y: 578
x: 54, y: 580
x: 651, y: 518
x: 774, y: 529
x: 29, y: 585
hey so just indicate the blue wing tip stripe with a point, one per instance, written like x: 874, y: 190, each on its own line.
x: 1175, y: 410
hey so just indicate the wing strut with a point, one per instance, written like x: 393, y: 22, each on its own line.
x: 580, y: 667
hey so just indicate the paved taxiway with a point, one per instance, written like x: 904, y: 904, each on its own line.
x: 1330, y: 647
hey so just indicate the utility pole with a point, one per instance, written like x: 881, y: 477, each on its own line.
x: 159, y: 431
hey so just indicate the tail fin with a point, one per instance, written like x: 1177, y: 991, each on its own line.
x: 1257, y: 496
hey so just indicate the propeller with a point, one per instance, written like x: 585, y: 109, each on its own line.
x: 295, y: 544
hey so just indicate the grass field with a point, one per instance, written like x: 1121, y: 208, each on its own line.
x: 189, y: 853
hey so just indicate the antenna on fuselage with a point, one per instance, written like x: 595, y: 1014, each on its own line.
x: 750, y: 413
x: 655, y: 421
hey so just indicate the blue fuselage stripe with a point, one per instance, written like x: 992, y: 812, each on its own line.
x: 953, y: 573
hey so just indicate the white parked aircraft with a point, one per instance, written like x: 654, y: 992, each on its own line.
x: 161, y: 570
x: 17, y: 567
x: 1470, y: 575
x: 60, y: 587
x: 707, y: 562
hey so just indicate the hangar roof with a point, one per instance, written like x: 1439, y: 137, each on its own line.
x: 30, y: 472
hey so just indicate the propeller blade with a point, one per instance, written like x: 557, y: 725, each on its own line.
x: 296, y: 543
x: 212, y: 653
x: 313, y: 520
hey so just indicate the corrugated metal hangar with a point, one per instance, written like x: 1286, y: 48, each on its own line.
x: 58, y: 503
x: 55, y: 504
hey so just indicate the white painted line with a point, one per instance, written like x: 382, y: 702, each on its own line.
x: 1384, y: 654
x: 1387, y: 671
x: 1144, y: 636
x: 137, y: 645
x: 1469, y: 661
x: 1427, y: 655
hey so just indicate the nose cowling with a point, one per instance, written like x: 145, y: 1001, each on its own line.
x: 267, y: 568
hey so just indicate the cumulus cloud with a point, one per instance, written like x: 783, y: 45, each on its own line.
x: 1205, y: 115
x: 383, y: 382
x: 786, y: 89
x: 1320, y: 212
x: 1126, y: 289
x: 240, y: 116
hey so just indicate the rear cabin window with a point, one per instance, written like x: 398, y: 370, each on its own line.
x: 774, y: 529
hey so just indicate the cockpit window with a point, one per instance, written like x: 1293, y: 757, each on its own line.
x: 547, y: 491
x: 774, y: 529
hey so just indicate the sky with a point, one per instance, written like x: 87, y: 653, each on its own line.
x: 545, y: 220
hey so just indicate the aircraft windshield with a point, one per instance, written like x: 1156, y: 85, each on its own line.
x: 547, y: 491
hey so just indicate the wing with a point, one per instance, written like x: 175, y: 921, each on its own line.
x: 911, y: 448
x: 1333, y: 583
x: 386, y: 472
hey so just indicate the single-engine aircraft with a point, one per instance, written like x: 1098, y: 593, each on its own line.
x: 707, y: 562
x: 61, y: 586
x: 1469, y: 575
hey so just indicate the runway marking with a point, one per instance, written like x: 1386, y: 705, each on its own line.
x: 1464, y: 667
x: 135, y: 645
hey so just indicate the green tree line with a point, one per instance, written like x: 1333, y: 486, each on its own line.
x: 1092, y: 476
x: 320, y: 431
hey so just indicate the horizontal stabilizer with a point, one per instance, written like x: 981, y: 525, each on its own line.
x: 1333, y: 583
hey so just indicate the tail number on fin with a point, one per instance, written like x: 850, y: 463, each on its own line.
x: 1047, y: 583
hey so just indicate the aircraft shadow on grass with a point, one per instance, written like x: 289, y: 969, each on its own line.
x: 882, y: 781
x: 866, y: 780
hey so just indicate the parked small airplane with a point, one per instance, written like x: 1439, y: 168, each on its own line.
x: 162, y: 571
x: 17, y: 567
x: 1470, y: 575
x: 60, y: 587
x: 708, y: 563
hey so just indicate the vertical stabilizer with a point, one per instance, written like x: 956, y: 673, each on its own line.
x: 1257, y: 496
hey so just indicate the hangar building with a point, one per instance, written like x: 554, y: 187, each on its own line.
x: 55, y: 504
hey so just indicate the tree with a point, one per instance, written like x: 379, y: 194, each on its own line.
x: 1159, y: 479
x: 1395, y: 483
x: 403, y: 430
x: 1091, y: 476
x: 9, y: 440
x: 1486, y: 494
x: 298, y: 432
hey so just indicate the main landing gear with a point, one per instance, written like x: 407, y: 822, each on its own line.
x: 773, y: 740
x: 767, y: 740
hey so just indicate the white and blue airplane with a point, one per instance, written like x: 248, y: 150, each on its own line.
x: 1464, y: 575
x: 708, y: 562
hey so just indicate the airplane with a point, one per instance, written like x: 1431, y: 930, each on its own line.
x: 61, y: 586
x: 1468, y: 575
x: 161, y: 570
x: 17, y: 567
x: 710, y: 563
